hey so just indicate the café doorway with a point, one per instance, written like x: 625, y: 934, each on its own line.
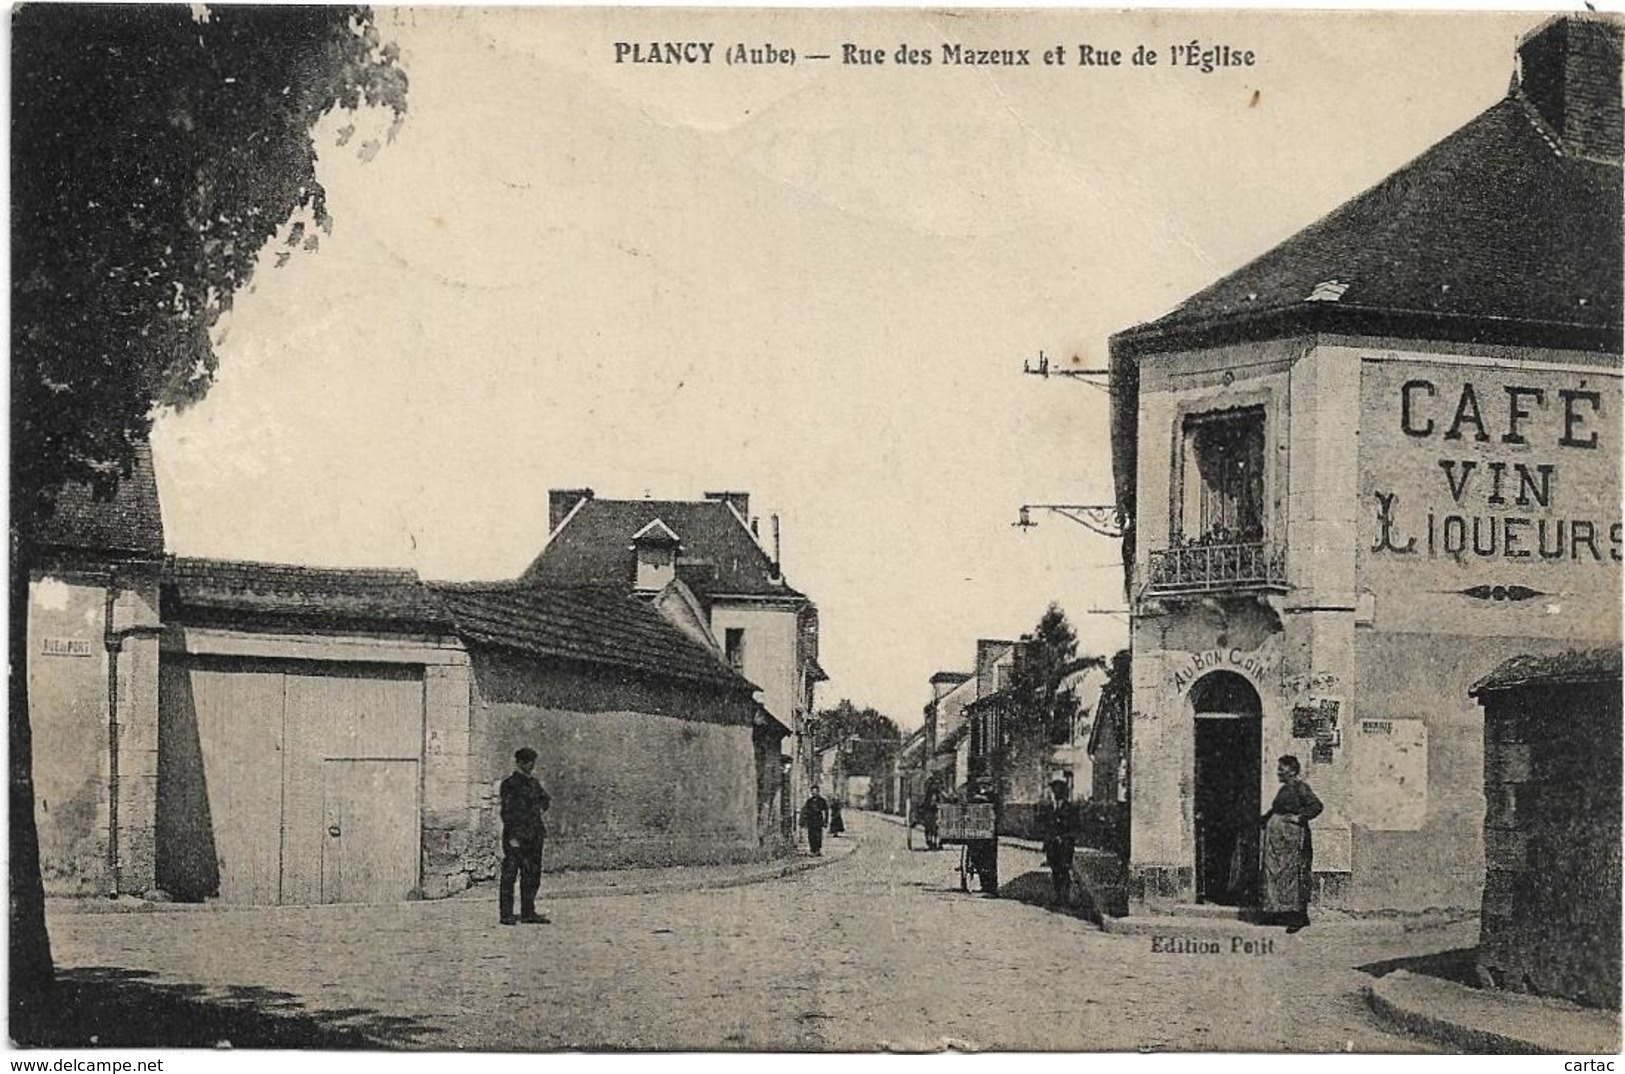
x: 1228, y: 718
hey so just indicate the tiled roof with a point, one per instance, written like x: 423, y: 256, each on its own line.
x: 595, y: 624
x: 598, y: 625
x: 1571, y: 667
x: 1492, y: 235
x: 998, y: 699
x: 950, y: 742
x: 129, y: 523
x: 769, y: 722
x: 717, y: 555
x: 306, y: 595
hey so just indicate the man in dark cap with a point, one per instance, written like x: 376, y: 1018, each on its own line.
x: 523, y: 832
x: 1058, y: 824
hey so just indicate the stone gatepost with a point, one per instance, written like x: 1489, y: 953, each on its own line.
x: 449, y: 809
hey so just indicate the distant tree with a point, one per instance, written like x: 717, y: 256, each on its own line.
x: 871, y: 739
x: 1041, y: 709
x: 155, y: 151
x: 1049, y: 657
x: 1117, y: 697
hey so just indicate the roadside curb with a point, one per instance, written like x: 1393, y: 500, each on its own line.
x: 1206, y: 926
x: 790, y: 868
x: 1004, y: 840
x: 1412, y: 1003
x: 605, y: 887
x: 1169, y: 926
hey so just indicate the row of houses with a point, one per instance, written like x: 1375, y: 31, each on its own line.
x: 274, y: 733
x: 976, y: 727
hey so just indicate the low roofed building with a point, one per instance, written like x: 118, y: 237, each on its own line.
x: 291, y: 734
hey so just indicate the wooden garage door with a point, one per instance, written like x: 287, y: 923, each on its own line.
x: 370, y: 844
x: 220, y: 781
x: 246, y: 780
x: 349, y: 713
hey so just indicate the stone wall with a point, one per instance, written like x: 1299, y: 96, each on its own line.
x: 1551, y: 909
x: 68, y: 700
x: 640, y: 773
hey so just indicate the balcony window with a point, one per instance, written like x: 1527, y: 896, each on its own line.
x: 1217, y: 539
x: 1223, y: 472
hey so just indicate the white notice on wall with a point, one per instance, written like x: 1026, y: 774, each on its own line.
x: 1390, y: 765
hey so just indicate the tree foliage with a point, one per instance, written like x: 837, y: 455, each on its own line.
x: 1049, y: 656
x: 156, y: 149
x: 871, y: 738
x: 1116, y: 694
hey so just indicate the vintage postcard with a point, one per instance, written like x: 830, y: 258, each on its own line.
x: 840, y: 530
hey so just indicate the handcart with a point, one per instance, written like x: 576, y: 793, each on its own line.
x: 973, y: 826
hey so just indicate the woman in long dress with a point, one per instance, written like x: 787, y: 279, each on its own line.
x: 1288, y: 850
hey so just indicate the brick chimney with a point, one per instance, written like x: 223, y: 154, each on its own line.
x: 943, y: 683
x: 739, y: 501
x: 560, y: 502
x: 988, y: 652
x: 1569, y: 70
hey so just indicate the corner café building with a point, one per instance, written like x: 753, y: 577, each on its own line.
x: 1364, y: 470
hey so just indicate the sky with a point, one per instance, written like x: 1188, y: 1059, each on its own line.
x: 817, y: 283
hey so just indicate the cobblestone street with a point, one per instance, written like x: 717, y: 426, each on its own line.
x: 880, y: 949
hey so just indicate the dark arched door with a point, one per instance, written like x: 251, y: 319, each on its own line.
x: 1228, y: 747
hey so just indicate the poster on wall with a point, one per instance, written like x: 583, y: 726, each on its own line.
x: 1391, y: 774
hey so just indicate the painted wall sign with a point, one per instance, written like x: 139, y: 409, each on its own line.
x: 65, y: 647
x: 1243, y: 661
x: 1500, y: 471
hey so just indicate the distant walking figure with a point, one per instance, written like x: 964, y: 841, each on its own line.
x: 814, y: 815
x: 1288, y: 853
x: 523, y: 833
x: 836, y: 824
x: 930, y: 798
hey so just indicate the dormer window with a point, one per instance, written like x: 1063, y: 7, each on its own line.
x: 1222, y: 499
x: 656, y: 546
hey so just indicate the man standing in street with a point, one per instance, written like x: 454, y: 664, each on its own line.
x: 1058, y: 826
x: 814, y: 815
x: 523, y: 832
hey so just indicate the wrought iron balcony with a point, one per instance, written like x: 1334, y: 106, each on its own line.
x: 1215, y: 568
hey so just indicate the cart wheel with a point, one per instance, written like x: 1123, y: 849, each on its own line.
x: 1074, y: 889
x: 964, y: 869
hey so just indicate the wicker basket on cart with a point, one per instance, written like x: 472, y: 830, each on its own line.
x: 975, y: 828
x: 965, y: 823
